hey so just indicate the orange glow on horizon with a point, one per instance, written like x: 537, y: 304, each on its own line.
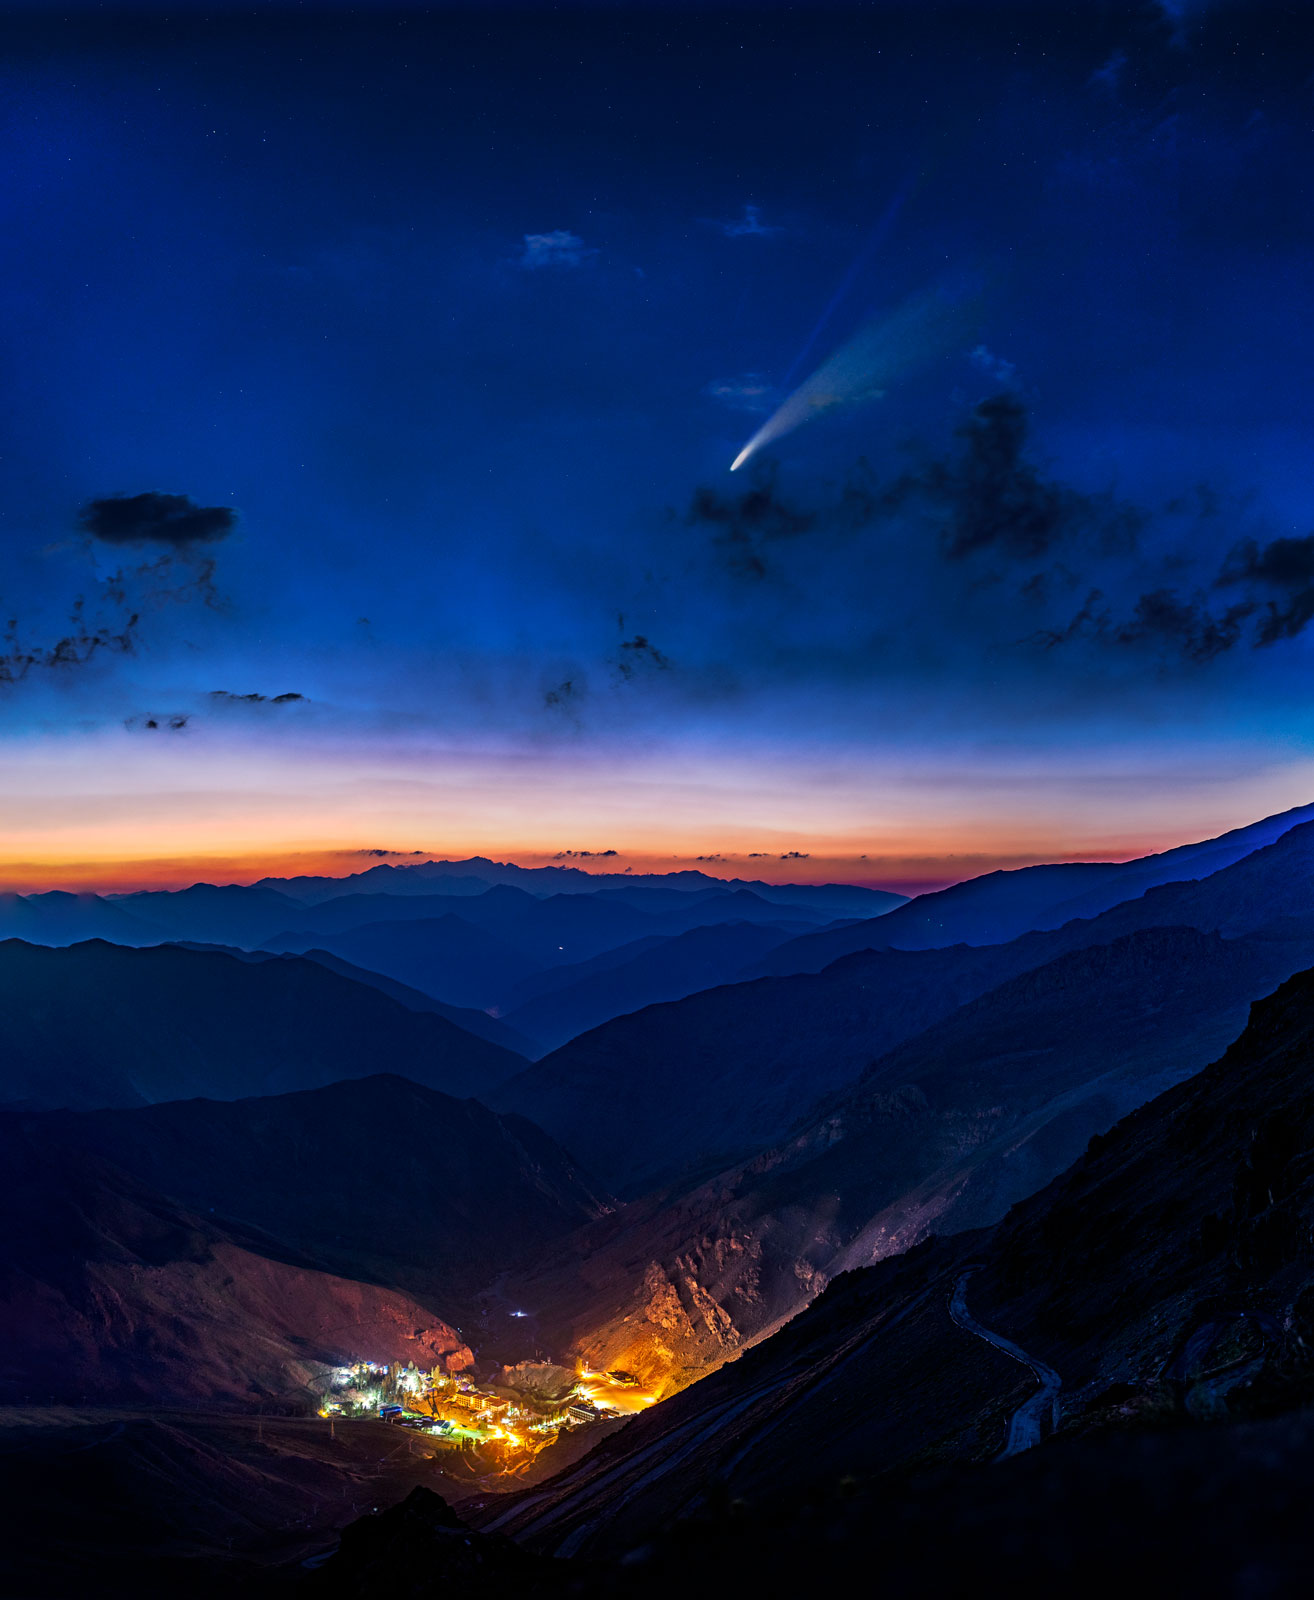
x: 910, y: 875
x: 97, y: 814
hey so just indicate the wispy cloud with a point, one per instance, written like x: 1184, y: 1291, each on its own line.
x: 751, y: 392
x: 995, y: 367
x: 559, y: 249
x: 750, y: 226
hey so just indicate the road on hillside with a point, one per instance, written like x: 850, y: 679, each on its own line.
x: 672, y: 1449
x: 1027, y: 1424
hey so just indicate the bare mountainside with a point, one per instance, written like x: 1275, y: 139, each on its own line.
x: 942, y: 1134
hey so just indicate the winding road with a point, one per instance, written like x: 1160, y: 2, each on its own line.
x: 1027, y: 1424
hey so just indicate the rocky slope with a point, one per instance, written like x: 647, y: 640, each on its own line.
x: 112, y: 1294
x: 1167, y: 1277
x: 943, y: 1133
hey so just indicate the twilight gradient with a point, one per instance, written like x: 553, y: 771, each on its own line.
x: 466, y: 315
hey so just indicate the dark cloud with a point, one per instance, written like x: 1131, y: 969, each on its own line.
x: 709, y: 858
x: 1186, y: 626
x: 986, y: 498
x: 745, y: 523
x: 223, y: 697
x: 993, y: 499
x: 583, y: 855
x: 111, y: 622
x: 169, y: 580
x: 1284, y: 568
x: 77, y: 648
x: 1275, y: 588
x: 381, y: 853
x: 639, y: 651
x: 173, y: 724
x: 153, y: 518
x: 563, y: 695
x: 1173, y: 624
x: 758, y: 855
x: 986, y: 550
x: 795, y: 855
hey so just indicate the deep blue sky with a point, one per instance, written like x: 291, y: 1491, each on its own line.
x: 465, y: 314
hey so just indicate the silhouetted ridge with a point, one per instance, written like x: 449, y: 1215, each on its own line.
x: 97, y: 1024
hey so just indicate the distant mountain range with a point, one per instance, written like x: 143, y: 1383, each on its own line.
x: 1003, y: 905
x: 459, y: 877
x: 470, y: 950
x: 693, y: 1086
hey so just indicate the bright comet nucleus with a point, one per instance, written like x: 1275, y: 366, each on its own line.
x: 924, y: 327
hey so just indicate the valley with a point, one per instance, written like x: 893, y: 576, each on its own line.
x: 790, y: 1229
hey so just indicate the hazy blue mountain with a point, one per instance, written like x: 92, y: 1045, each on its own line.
x: 699, y: 959
x: 58, y: 917
x: 550, y: 979
x: 98, y: 1024
x: 479, y: 1023
x: 738, y: 905
x: 212, y: 913
x: 447, y: 957
x: 481, y: 956
x: 1002, y: 905
x: 698, y: 1083
x: 829, y: 900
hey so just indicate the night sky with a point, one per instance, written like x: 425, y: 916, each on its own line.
x: 372, y: 379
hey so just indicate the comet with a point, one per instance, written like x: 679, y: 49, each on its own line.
x: 884, y: 349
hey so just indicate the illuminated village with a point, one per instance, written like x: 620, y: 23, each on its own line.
x: 508, y: 1422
